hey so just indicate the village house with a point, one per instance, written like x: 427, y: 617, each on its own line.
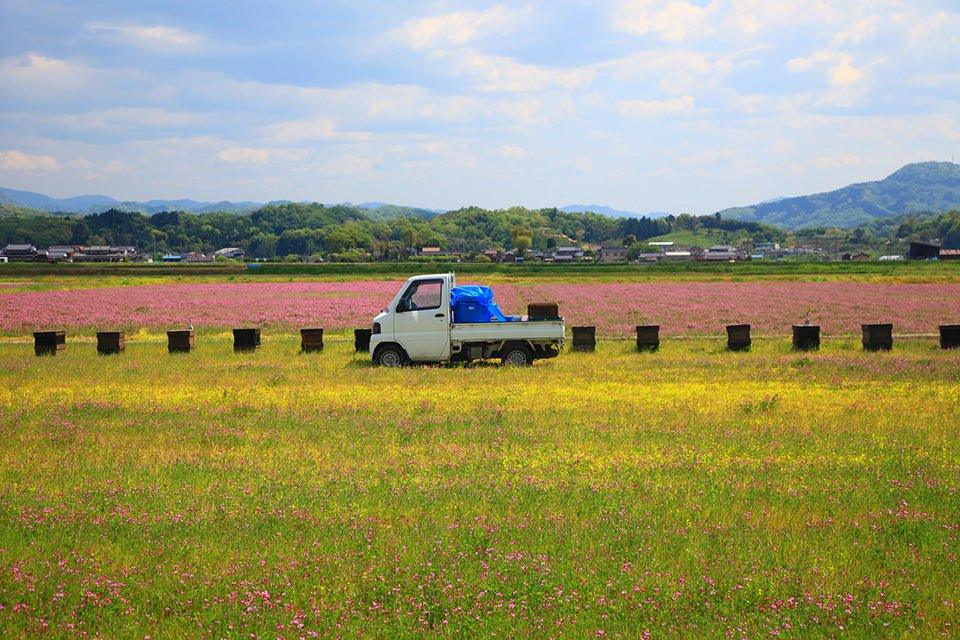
x: 950, y: 254
x: 612, y: 254
x: 721, y: 253
x: 196, y: 256
x: 61, y: 253
x: 923, y: 251
x: 104, y: 253
x: 567, y: 254
x: 855, y: 257
x: 20, y: 253
x: 229, y: 253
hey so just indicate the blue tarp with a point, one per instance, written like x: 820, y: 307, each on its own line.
x: 474, y: 303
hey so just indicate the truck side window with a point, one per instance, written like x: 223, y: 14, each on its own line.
x: 425, y: 294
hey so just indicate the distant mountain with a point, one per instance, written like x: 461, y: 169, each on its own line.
x: 916, y: 188
x: 610, y: 211
x: 98, y: 203
x: 46, y: 203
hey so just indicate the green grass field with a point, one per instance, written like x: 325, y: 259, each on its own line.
x: 689, y: 493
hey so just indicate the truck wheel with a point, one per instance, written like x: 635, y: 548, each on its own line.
x: 517, y: 355
x: 389, y: 356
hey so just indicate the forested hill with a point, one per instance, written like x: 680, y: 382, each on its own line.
x: 348, y: 232
x: 916, y: 188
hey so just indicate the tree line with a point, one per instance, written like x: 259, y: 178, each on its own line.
x: 344, y: 232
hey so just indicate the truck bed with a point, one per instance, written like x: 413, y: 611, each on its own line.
x: 495, y: 331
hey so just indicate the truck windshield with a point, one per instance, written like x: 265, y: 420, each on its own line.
x: 423, y: 294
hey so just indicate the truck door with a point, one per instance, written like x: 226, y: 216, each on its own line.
x: 421, y: 321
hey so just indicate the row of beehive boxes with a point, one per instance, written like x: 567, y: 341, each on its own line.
x: 806, y: 337
x: 182, y: 341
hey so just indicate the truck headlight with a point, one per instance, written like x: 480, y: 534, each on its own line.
x: 376, y: 328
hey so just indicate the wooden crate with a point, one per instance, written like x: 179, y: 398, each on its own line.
x: 738, y: 337
x: 584, y: 338
x: 648, y: 337
x: 180, y: 341
x: 361, y: 340
x: 950, y: 336
x: 311, y: 340
x: 877, y: 337
x: 48, y: 343
x: 246, y: 339
x: 543, y: 311
x: 111, y: 342
x: 806, y: 337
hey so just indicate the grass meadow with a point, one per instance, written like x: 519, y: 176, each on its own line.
x: 689, y: 493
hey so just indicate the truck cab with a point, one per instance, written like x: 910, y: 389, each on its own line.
x: 418, y: 326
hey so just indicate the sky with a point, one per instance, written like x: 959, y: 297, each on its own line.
x: 644, y: 105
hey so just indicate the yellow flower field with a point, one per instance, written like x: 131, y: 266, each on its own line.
x: 686, y: 493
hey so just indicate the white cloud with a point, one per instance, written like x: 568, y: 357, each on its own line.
x: 674, y: 21
x: 710, y: 156
x: 500, y: 73
x: 512, y: 152
x: 347, y: 165
x: 458, y: 28
x: 648, y: 108
x: 676, y: 70
x: 36, y: 75
x: 861, y: 30
x: 838, y: 161
x: 16, y: 160
x: 153, y: 37
x: 122, y: 119
x: 309, y: 129
x: 252, y: 155
x: 841, y: 71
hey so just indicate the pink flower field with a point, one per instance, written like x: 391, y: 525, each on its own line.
x: 615, y: 308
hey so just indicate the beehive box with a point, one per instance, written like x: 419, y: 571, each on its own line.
x: 584, y: 338
x: 877, y: 337
x: 180, y: 341
x: 648, y: 337
x: 950, y: 336
x: 311, y: 340
x: 543, y: 311
x: 111, y: 342
x: 48, y: 343
x: 361, y: 340
x: 738, y: 337
x: 806, y: 337
x: 246, y: 339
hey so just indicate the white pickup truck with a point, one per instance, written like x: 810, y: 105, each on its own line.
x: 418, y: 327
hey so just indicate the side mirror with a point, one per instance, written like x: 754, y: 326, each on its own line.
x: 401, y: 306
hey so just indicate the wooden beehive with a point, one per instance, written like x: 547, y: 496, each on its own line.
x: 806, y: 337
x: 361, y: 340
x: 311, y: 340
x: 584, y: 338
x: 111, y: 342
x: 738, y: 337
x: 246, y: 339
x: 950, y: 336
x: 648, y: 337
x: 180, y: 341
x: 877, y: 337
x: 543, y: 311
x: 48, y: 343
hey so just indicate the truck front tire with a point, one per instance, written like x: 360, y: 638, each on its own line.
x: 517, y: 355
x: 389, y: 355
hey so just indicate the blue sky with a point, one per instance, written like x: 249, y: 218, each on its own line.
x: 677, y: 105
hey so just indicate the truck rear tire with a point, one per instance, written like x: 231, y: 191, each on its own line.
x: 389, y: 356
x: 517, y: 355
